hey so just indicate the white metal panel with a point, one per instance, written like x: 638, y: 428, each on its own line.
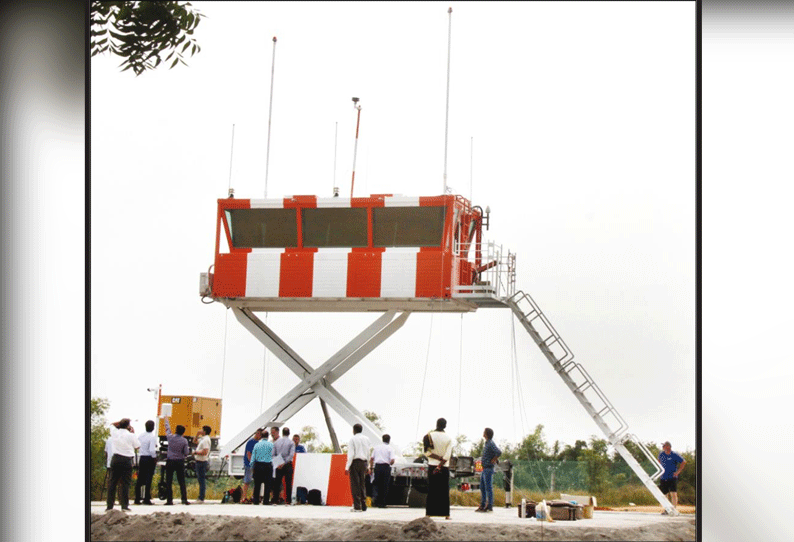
x: 312, y: 471
x: 333, y: 202
x: 263, y: 273
x: 267, y: 204
x: 401, y: 201
x: 398, y: 272
x: 330, y: 272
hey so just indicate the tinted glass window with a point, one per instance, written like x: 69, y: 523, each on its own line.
x: 263, y: 228
x: 335, y: 227
x: 407, y: 226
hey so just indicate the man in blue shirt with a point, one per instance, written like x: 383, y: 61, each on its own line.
x: 673, y: 464
x: 490, y: 456
x: 249, y: 469
x: 299, y: 449
x: 262, y: 460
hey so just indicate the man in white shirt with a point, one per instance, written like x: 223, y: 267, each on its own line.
x: 438, y: 449
x: 146, y: 464
x: 124, y: 445
x: 381, y: 461
x: 356, y: 468
x: 202, y: 456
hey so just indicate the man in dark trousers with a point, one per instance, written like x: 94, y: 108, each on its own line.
x: 284, y: 448
x: 124, y: 443
x: 438, y: 449
x: 147, y: 461
x: 356, y: 468
x: 178, y: 450
x: 381, y: 461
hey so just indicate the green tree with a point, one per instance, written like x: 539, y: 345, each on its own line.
x: 375, y: 419
x: 458, y: 448
x: 310, y: 439
x: 534, y: 446
x: 476, y: 449
x: 99, y: 434
x: 143, y: 32
x: 597, y: 465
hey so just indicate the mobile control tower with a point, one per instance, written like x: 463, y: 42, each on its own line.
x: 382, y: 253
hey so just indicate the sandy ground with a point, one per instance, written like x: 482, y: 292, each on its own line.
x: 214, y: 521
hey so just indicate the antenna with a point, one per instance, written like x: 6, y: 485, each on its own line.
x: 231, y: 158
x: 336, y: 131
x: 471, y: 170
x: 270, y: 114
x: 355, y: 147
x: 446, y: 124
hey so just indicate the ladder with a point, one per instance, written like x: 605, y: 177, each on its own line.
x: 586, y: 391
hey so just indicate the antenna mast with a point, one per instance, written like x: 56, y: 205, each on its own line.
x: 270, y: 114
x: 446, y: 124
x: 355, y: 147
x: 231, y: 159
x: 336, y: 131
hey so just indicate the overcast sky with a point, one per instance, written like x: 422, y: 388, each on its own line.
x: 583, y: 124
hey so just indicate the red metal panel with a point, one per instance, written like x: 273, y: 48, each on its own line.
x: 433, y: 270
x: 297, y: 272
x: 364, y: 272
x: 230, y: 274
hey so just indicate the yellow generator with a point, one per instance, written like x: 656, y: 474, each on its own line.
x: 193, y: 413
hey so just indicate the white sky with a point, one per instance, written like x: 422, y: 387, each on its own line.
x: 583, y: 119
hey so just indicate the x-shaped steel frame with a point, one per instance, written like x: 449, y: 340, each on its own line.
x: 315, y: 382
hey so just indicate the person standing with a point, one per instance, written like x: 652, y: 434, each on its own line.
x: 284, y: 448
x: 490, y: 457
x: 673, y: 464
x: 356, y: 468
x: 299, y: 449
x: 124, y: 444
x: 438, y: 449
x: 247, y: 466
x: 202, y: 455
x: 178, y: 450
x: 381, y: 461
x: 262, y: 459
x: 146, y: 464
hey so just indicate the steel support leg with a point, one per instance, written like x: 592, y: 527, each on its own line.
x: 316, y: 382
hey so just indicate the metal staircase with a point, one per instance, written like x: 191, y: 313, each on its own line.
x: 586, y: 391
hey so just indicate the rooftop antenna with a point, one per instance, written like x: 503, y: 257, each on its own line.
x: 231, y: 158
x: 336, y: 131
x: 446, y: 124
x: 270, y: 115
x: 355, y: 147
x: 471, y: 170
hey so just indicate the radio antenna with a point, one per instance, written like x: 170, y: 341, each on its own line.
x: 446, y: 124
x: 336, y: 132
x: 355, y: 147
x: 270, y: 114
x: 231, y: 159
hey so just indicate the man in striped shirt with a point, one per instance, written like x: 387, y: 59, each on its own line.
x: 178, y: 450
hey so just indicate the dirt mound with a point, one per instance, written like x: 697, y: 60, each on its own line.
x: 116, y: 525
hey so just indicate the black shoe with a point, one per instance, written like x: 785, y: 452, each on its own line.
x: 185, y: 502
x: 148, y: 503
x: 169, y: 504
x: 137, y: 502
x: 126, y: 510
